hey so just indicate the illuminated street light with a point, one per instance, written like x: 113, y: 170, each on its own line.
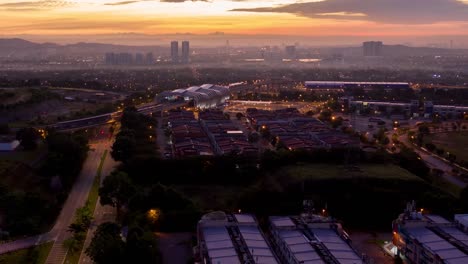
x: 154, y: 215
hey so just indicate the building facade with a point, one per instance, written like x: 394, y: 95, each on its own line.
x: 185, y: 52
x: 175, y: 52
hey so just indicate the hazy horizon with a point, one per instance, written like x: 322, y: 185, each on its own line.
x: 326, y: 22
x: 220, y: 39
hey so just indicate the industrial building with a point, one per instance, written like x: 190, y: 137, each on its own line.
x: 349, y: 86
x: 311, y: 239
x: 231, y: 239
x: 204, y: 96
x: 425, y: 238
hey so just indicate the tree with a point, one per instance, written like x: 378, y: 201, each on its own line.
x: 83, y: 218
x: 123, y: 148
x: 4, y: 129
x: 116, y: 190
x: 28, y: 138
x: 254, y: 137
x: 142, y: 247
x: 107, y: 245
x: 431, y: 147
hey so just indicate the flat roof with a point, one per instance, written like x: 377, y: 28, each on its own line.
x: 257, y: 245
x: 337, y: 246
x: 462, y: 219
x: 437, y: 219
x: 245, y: 218
x: 282, y: 221
x: 219, y: 245
x: 299, y: 246
x: 436, y: 244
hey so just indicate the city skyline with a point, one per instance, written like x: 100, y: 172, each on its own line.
x: 352, y: 18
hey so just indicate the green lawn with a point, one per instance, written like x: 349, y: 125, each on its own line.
x: 211, y: 197
x: 327, y: 171
x: 453, y: 142
x: 33, y: 255
x: 74, y: 257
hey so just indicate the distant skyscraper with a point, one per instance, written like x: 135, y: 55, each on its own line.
x: 185, y: 52
x: 139, y: 58
x: 110, y: 58
x: 372, y: 48
x: 290, y: 52
x: 149, y: 58
x: 175, y: 51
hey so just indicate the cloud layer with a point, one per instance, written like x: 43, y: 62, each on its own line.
x: 138, y: 1
x: 383, y: 11
x: 35, y: 5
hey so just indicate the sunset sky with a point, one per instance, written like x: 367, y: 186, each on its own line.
x: 278, y: 17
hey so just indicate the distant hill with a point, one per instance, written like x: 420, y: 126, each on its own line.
x: 22, y: 49
x: 16, y: 48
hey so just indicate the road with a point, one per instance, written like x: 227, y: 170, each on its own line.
x: 102, y: 214
x: 76, y: 199
x: 434, y: 162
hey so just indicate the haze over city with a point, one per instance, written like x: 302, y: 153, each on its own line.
x: 329, y: 22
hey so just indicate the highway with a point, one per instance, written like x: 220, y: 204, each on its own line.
x: 103, y: 119
x: 76, y: 199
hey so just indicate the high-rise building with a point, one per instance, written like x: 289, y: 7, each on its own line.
x: 185, y: 52
x: 290, y: 52
x: 175, y: 51
x: 110, y: 58
x: 139, y: 59
x: 372, y: 48
x: 149, y: 58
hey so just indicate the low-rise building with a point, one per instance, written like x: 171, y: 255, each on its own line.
x: 311, y: 239
x: 231, y: 239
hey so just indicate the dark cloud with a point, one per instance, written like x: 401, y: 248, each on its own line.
x: 164, y: 1
x: 384, y: 11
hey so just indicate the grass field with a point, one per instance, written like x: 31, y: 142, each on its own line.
x: 34, y: 255
x: 211, y: 197
x: 453, y: 142
x: 326, y: 171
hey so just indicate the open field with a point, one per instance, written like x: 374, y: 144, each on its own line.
x: 211, y: 197
x: 453, y: 142
x: 34, y: 255
x: 327, y: 171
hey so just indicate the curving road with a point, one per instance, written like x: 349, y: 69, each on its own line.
x: 76, y: 199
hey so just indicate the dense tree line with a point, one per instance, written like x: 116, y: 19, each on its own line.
x: 65, y: 157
